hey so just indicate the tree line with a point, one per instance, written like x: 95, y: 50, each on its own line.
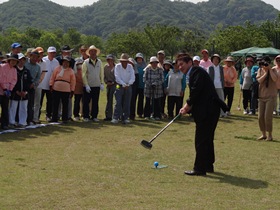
x: 151, y: 39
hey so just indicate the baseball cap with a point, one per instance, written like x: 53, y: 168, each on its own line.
x: 20, y: 56
x: 16, y: 45
x: 161, y: 52
x: 196, y: 58
x: 51, y: 49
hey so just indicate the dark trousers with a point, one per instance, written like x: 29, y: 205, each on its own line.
x: 246, y: 98
x: 77, y: 101
x: 30, y: 106
x: 162, y: 103
x: 4, y: 101
x: 228, y: 94
x: 133, y: 97
x: 110, y: 98
x: 140, y: 102
x: 94, y: 96
x: 173, y: 101
x: 204, y: 141
x: 49, y: 104
x: 254, y: 97
x: 153, y: 107
x: 64, y: 97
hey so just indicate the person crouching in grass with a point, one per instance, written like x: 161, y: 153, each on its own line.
x: 62, y: 85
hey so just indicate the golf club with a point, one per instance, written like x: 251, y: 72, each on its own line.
x: 148, y: 144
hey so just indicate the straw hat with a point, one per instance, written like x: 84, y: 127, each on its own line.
x: 92, y: 47
x: 124, y: 57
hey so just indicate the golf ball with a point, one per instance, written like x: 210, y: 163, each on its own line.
x: 156, y: 164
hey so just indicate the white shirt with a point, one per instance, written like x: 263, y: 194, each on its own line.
x: 123, y: 76
x: 217, y: 77
x: 50, y: 66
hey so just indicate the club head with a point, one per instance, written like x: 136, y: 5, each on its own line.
x: 146, y: 144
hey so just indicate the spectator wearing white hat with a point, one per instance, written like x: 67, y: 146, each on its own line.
x: 125, y: 77
x: 93, y: 77
x: 20, y: 94
x: 8, y: 79
x: 153, y: 91
x: 196, y: 60
x: 205, y: 62
x: 51, y: 64
x: 230, y: 77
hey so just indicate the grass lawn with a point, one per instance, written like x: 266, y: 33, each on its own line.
x: 102, y: 166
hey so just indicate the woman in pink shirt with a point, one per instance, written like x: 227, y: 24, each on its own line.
x: 8, y: 80
x: 230, y: 77
x: 62, y: 85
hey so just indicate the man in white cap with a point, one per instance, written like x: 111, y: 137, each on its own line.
x: 125, y: 77
x: 93, y: 78
x: 51, y: 64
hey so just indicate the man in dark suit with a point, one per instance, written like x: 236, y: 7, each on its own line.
x: 204, y: 104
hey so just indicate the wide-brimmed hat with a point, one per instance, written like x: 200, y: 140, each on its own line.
x: 92, y: 47
x: 21, y: 56
x: 124, y: 57
x: 196, y: 58
x: 154, y: 59
x: 217, y: 56
x: 249, y: 59
x: 66, y: 48
x: 229, y: 59
x: 167, y: 62
x: 132, y: 61
x: 161, y: 52
x: 204, y: 51
x: 39, y: 49
x: 16, y: 45
x: 12, y: 57
x: 139, y: 55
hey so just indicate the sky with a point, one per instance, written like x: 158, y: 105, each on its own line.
x: 275, y: 3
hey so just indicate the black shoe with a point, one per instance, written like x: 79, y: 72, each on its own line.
x: 210, y: 170
x: 107, y: 119
x: 195, y: 173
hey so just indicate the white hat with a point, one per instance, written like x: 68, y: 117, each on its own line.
x: 153, y: 59
x: 92, y: 47
x: 51, y: 49
x: 124, y: 57
x: 196, y: 58
x: 20, y: 56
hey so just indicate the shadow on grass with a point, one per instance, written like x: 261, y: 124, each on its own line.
x: 48, y: 130
x: 247, y: 138
x: 238, y: 181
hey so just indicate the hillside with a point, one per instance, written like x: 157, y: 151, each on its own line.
x: 106, y: 16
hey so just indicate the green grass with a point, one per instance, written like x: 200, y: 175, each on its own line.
x: 102, y: 166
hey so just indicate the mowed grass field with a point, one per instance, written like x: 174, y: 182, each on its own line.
x: 103, y: 166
